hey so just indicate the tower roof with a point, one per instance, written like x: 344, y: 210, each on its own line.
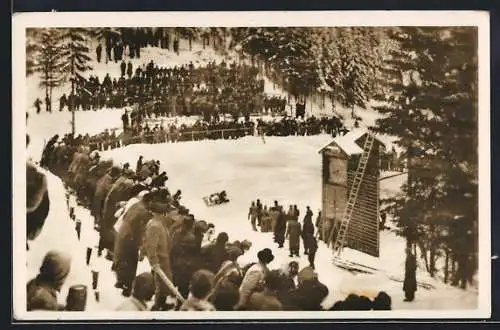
x: 348, y: 143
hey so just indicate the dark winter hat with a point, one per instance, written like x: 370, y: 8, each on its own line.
x: 114, y: 171
x: 201, y: 283
x: 266, y: 256
x: 222, y: 238
x: 233, y: 252
x: 144, y: 286
x: 201, y: 226
x: 55, y: 266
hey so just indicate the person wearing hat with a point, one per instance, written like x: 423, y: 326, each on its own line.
x: 142, y: 292
x: 254, y: 277
x: 287, y: 280
x: 267, y: 299
x: 215, y: 254
x: 157, y: 247
x: 103, y: 185
x: 200, y: 286
x: 184, y: 253
x: 41, y: 292
x: 128, y: 241
x: 309, y: 294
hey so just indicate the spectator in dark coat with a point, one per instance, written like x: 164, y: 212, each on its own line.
x: 287, y: 281
x: 129, y: 70
x: 123, y: 68
x: 226, y: 296
x: 215, y: 254
x: 103, y: 186
x: 184, y: 250
x: 128, y: 241
x: 307, y: 230
x: 309, y: 294
x: 313, y: 247
x: 410, y: 281
x: 41, y: 292
x: 280, y: 229
x: 266, y: 300
x: 293, y: 232
x: 200, y: 286
x: 138, y: 167
x: 158, y: 247
x: 98, y: 52
x: 159, y: 180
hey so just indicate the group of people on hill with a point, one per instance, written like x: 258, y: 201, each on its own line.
x: 138, y: 218
x: 285, y: 225
x: 129, y: 41
x: 186, y: 90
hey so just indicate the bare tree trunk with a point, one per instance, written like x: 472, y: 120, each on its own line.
x: 446, y: 265
x: 423, y: 251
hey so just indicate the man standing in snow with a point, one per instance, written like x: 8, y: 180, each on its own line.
x: 129, y: 70
x: 293, y: 232
x: 98, y: 52
x: 125, y: 120
x: 410, y: 281
x: 37, y: 105
x: 252, y: 215
x: 123, y: 67
x: 308, y: 230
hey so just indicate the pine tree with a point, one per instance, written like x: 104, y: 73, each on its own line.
x: 431, y: 109
x: 47, y: 61
x: 75, y: 58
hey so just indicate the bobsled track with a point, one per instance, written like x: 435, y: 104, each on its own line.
x: 284, y: 169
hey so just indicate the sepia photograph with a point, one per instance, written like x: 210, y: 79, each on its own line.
x: 251, y: 165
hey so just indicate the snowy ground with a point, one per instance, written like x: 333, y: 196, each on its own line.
x: 248, y: 170
x: 283, y: 169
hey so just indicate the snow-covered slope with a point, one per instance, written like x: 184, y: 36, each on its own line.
x: 283, y: 169
x: 287, y: 170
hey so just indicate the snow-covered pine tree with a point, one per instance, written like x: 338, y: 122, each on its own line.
x: 47, y: 61
x: 359, y: 62
x: 432, y: 108
x: 75, y: 57
x: 32, y: 50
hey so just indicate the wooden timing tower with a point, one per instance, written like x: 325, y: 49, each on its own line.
x: 350, y: 192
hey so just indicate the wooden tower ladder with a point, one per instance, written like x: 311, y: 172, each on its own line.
x: 353, y: 196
